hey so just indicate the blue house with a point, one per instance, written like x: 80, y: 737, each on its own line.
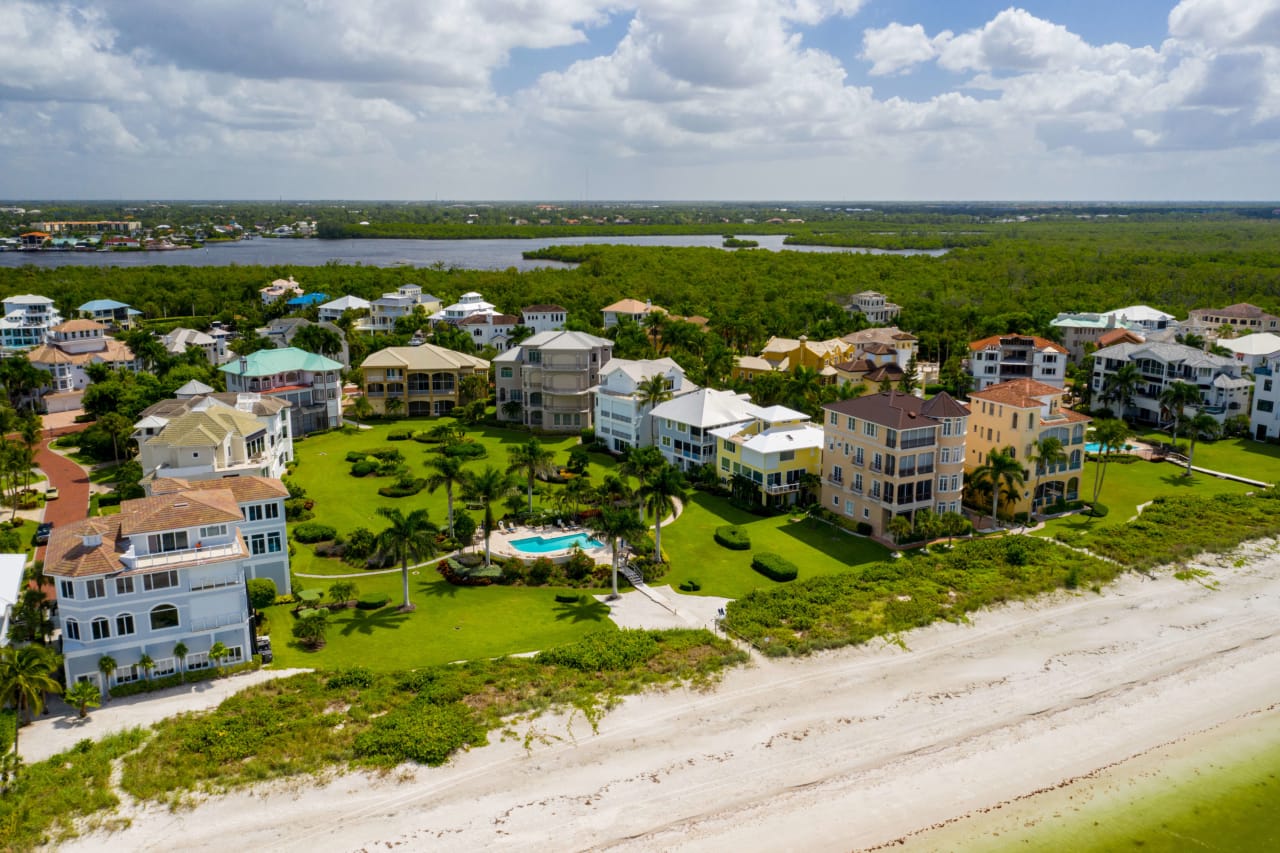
x: 109, y: 312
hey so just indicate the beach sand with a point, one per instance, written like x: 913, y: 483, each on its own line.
x: 842, y: 750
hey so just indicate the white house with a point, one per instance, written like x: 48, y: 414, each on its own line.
x: 27, y: 321
x: 620, y: 418
x: 1001, y: 358
x: 1252, y: 350
x: 1150, y: 319
x: 169, y: 569
x: 544, y: 318
x: 213, y: 436
x: 176, y: 341
x: 12, y: 567
x: 1081, y: 329
x: 1224, y: 391
x: 72, y: 347
x: 281, y: 288
x: 468, y: 305
x: 874, y: 306
x: 333, y: 311
x: 405, y: 302
x: 490, y: 329
x: 683, y: 426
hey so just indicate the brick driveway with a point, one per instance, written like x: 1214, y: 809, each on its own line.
x: 71, y: 481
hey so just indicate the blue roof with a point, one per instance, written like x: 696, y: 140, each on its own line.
x: 268, y: 362
x: 308, y: 299
x: 102, y: 305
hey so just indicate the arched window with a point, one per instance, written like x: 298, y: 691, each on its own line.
x: 71, y: 628
x: 124, y: 624
x: 1075, y: 459
x: 101, y: 628
x: 164, y: 616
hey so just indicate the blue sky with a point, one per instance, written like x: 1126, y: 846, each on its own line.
x: 653, y: 99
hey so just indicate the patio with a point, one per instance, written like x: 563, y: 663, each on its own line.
x: 500, y: 541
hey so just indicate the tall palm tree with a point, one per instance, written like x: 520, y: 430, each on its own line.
x: 1110, y: 434
x: 578, y: 491
x: 26, y: 675
x: 803, y: 388
x: 650, y: 393
x: 1176, y: 397
x: 1001, y: 470
x: 407, y: 537
x: 446, y: 471
x: 1046, y: 453
x: 659, y: 494
x: 490, y: 485
x: 641, y: 462
x: 616, y: 524
x: 530, y: 459
x: 613, y: 489
x: 1204, y: 424
x: 1122, y: 385
x: 899, y: 528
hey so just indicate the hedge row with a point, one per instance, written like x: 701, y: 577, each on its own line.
x: 312, y: 532
x: 733, y: 537
x: 774, y: 566
x: 147, y: 685
x: 399, y: 490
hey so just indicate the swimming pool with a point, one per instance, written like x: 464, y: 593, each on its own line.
x: 543, y: 545
x: 1094, y: 447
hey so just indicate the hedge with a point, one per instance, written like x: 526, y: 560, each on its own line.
x: 373, y: 601
x: 1099, y: 511
x: 774, y: 566
x: 733, y: 537
x: 314, y: 532
x: 564, y: 598
x: 690, y: 585
x: 356, y: 456
x: 465, y: 450
x: 399, y: 435
x: 398, y: 490
x: 363, y: 468
x: 147, y: 685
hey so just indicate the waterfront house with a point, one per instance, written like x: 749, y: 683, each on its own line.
x: 213, y: 436
x: 72, y: 346
x: 310, y: 383
x: 548, y: 378
x: 777, y: 451
x: 281, y: 288
x: 1001, y: 358
x: 469, y: 304
x: 426, y: 379
x: 682, y: 427
x: 1240, y: 318
x: 620, y: 418
x: 407, y: 300
x: 630, y: 308
x: 110, y: 313
x: 333, y: 311
x: 490, y: 330
x: 27, y: 321
x: 1224, y: 391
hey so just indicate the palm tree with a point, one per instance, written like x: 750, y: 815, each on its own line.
x: 107, y: 666
x: 899, y: 528
x: 146, y: 663
x: 616, y: 524
x: 650, y: 393
x: 1176, y: 397
x: 613, y: 489
x: 446, y: 471
x: 1046, y: 453
x: 659, y: 494
x: 927, y: 524
x: 311, y: 628
x: 83, y: 695
x: 217, y: 652
x: 407, y: 537
x: 26, y: 675
x: 578, y: 491
x: 953, y: 524
x: 488, y: 486
x: 1001, y: 470
x: 803, y: 388
x: 1110, y: 434
x: 641, y: 463
x: 1204, y: 424
x: 1122, y: 385
x: 342, y: 591
x: 180, y: 652
x: 531, y: 459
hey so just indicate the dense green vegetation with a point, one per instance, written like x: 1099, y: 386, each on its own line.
x: 890, y: 597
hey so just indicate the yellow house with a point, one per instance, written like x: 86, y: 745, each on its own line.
x: 783, y: 355
x: 774, y: 451
x: 1017, y: 414
x: 426, y: 379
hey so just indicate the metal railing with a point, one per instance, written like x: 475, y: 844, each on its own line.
x: 189, y: 555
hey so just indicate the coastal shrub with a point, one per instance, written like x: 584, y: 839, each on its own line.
x: 356, y: 456
x: 399, y: 435
x: 421, y: 731
x: 386, y: 454
x: 540, y: 571
x: 774, y: 566
x: 373, y: 601
x: 603, y: 650
x: 390, y: 468
x: 1099, y: 510
x: 733, y: 537
x: 356, y: 676
x: 363, y: 468
x: 567, y: 598
x: 297, y: 509
x: 262, y: 593
x: 360, y: 543
x: 313, y: 532
x: 403, y: 487
x: 579, y: 566
x: 465, y: 450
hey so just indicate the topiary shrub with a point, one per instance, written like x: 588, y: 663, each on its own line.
x: 313, y: 532
x: 403, y: 488
x: 385, y: 454
x: 465, y: 450
x: 363, y: 468
x: 356, y: 456
x: 774, y: 566
x: 1099, y: 510
x: 373, y: 601
x: 733, y: 537
x: 399, y: 435
x: 566, y: 598
x: 690, y: 585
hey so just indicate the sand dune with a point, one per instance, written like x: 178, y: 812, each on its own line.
x: 843, y: 750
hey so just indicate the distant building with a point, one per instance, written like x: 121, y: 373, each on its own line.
x: 1080, y: 330
x: 1252, y: 350
x: 177, y: 341
x: 407, y: 300
x: 544, y: 318
x: 27, y: 321
x: 1150, y: 319
x: 312, y: 385
x: 333, y: 311
x: 12, y: 577
x: 1241, y: 318
x: 1001, y: 358
x: 630, y: 308
x: 128, y: 226
x: 281, y: 288
x: 874, y: 306
x: 905, y: 344
x: 468, y: 305
x: 307, y: 300
x: 490, y: 330
x: 72, y: 347
x: 109, y: 312
x: 282, y: 331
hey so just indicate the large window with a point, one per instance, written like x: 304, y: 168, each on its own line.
x: 160, y: 580
x: 71, y: 628
x: 162, y: 542
x: 214, y: 531
x: 164, y: 616
x: 66, y: 589
x: 252, y: 512
x: 124, y: 624
x: 101, y: 628
x: 124, y: 586
x: 96, y: 588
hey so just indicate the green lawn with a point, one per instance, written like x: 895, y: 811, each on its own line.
x: 450, y: 623
x: 817, y: 548
x: 1126, y: 486
x: 1240, y: 456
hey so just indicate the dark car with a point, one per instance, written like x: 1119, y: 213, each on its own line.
x: 43, y: 531
x: 264, y: 649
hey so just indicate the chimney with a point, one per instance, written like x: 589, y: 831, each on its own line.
x: 91, y: 540
x: 244, y: 365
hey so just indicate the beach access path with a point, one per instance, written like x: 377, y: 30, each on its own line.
x: 839, y: 751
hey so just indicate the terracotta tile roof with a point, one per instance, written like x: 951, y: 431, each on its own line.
x: 1242, y: 310
x: 490, y: 320
x: 79, y: 326
x: 1023, y: 393
x: 172, y: 510
x: 1036, y: 341
x: 633, y: 306
x: 1116, y: 336
x: 544, y: 309
x: 68, y: 556
x: 247, y: 489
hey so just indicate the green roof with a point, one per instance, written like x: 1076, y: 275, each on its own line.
x: 268, y: 362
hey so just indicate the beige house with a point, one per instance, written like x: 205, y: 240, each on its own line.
x: 426, y: 379
x: 633, y: 308
x: 545, y: 381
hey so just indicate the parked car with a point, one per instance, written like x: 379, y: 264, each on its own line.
x: 264, y: 649
x: 51, y: 494
x: 43, y: 531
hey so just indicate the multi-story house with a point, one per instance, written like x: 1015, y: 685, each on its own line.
x: 333, y: 311
x: 1264, y: 419
x: 905, y: 344
x: 405, y: 302
x: 775, y: 450
x: 281, y: 288
x: 27, y: 321
x: 310, y: 383
x: 682, y: 427
x: 1150, y: 319
x: 206, y: 437
x: 620, y: 417
x: 468, y: 305
x: 1080, y: 330
x: 115, y: 315
x: 177, y: 341
x: 490, y: 330
x: 169, y: 569
x: 282, y: 330
x: 1252, y: 350
x: 550, y: 376
x: 893, y: 454
x: 875, y: 366
x: 1017, y: 415
x: 1240, y: 318
x: 874, y: 306
x: 12, y: 576
x: 72, y: 346
x: 631, y: 308
x: 1224, y: 391
x: 1001, y: 358
x: 544, y: 318
x: 426, y: 380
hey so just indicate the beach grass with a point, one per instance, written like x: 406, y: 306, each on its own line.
x: 816, y: 548
x: 450, y: 623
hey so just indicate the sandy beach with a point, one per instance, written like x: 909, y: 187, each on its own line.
x: 844, y: 750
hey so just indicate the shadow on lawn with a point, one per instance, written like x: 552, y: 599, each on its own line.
x: 587, y: 609
x: 1179, y: 479
x: 438, y: 589
x: 367, y: 621
x: 833, y: 543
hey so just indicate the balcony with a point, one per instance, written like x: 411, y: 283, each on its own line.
x: 838, y: 482
x: 563, y: 367
x: 190, y: 556
x: 1262, y: 371
x: 222, y: 620
x: 909, y: 443
x: 782, y: 488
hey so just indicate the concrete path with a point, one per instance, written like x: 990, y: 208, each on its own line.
x: 663, y: 607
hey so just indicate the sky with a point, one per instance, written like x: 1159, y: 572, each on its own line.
x: 592, y: 100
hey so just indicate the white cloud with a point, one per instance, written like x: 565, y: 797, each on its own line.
x: 1227, y: 23
x: 896, y: 48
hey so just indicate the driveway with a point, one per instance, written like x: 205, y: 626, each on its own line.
x: 71, y: 481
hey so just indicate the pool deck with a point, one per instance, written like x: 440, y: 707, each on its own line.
x: 500, y: 542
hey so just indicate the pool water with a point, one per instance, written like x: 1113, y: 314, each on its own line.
x: 1094, y: 447
x: 543, y: 545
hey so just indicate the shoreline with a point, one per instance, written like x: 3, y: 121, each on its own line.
x: 855, y: 748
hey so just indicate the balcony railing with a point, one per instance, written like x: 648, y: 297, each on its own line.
x: 927, y: 441
x: 782, y: 488
x: 190, y: 555
x: 222, y: 620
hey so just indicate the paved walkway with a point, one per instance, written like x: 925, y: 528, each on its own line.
x: 71, y: 481
x: 663, y: 607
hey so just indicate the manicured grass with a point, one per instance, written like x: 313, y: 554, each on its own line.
x: 1240, y: 456
x: 450, y: 623
x: 817, y: 548
x: 1125, y: 487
